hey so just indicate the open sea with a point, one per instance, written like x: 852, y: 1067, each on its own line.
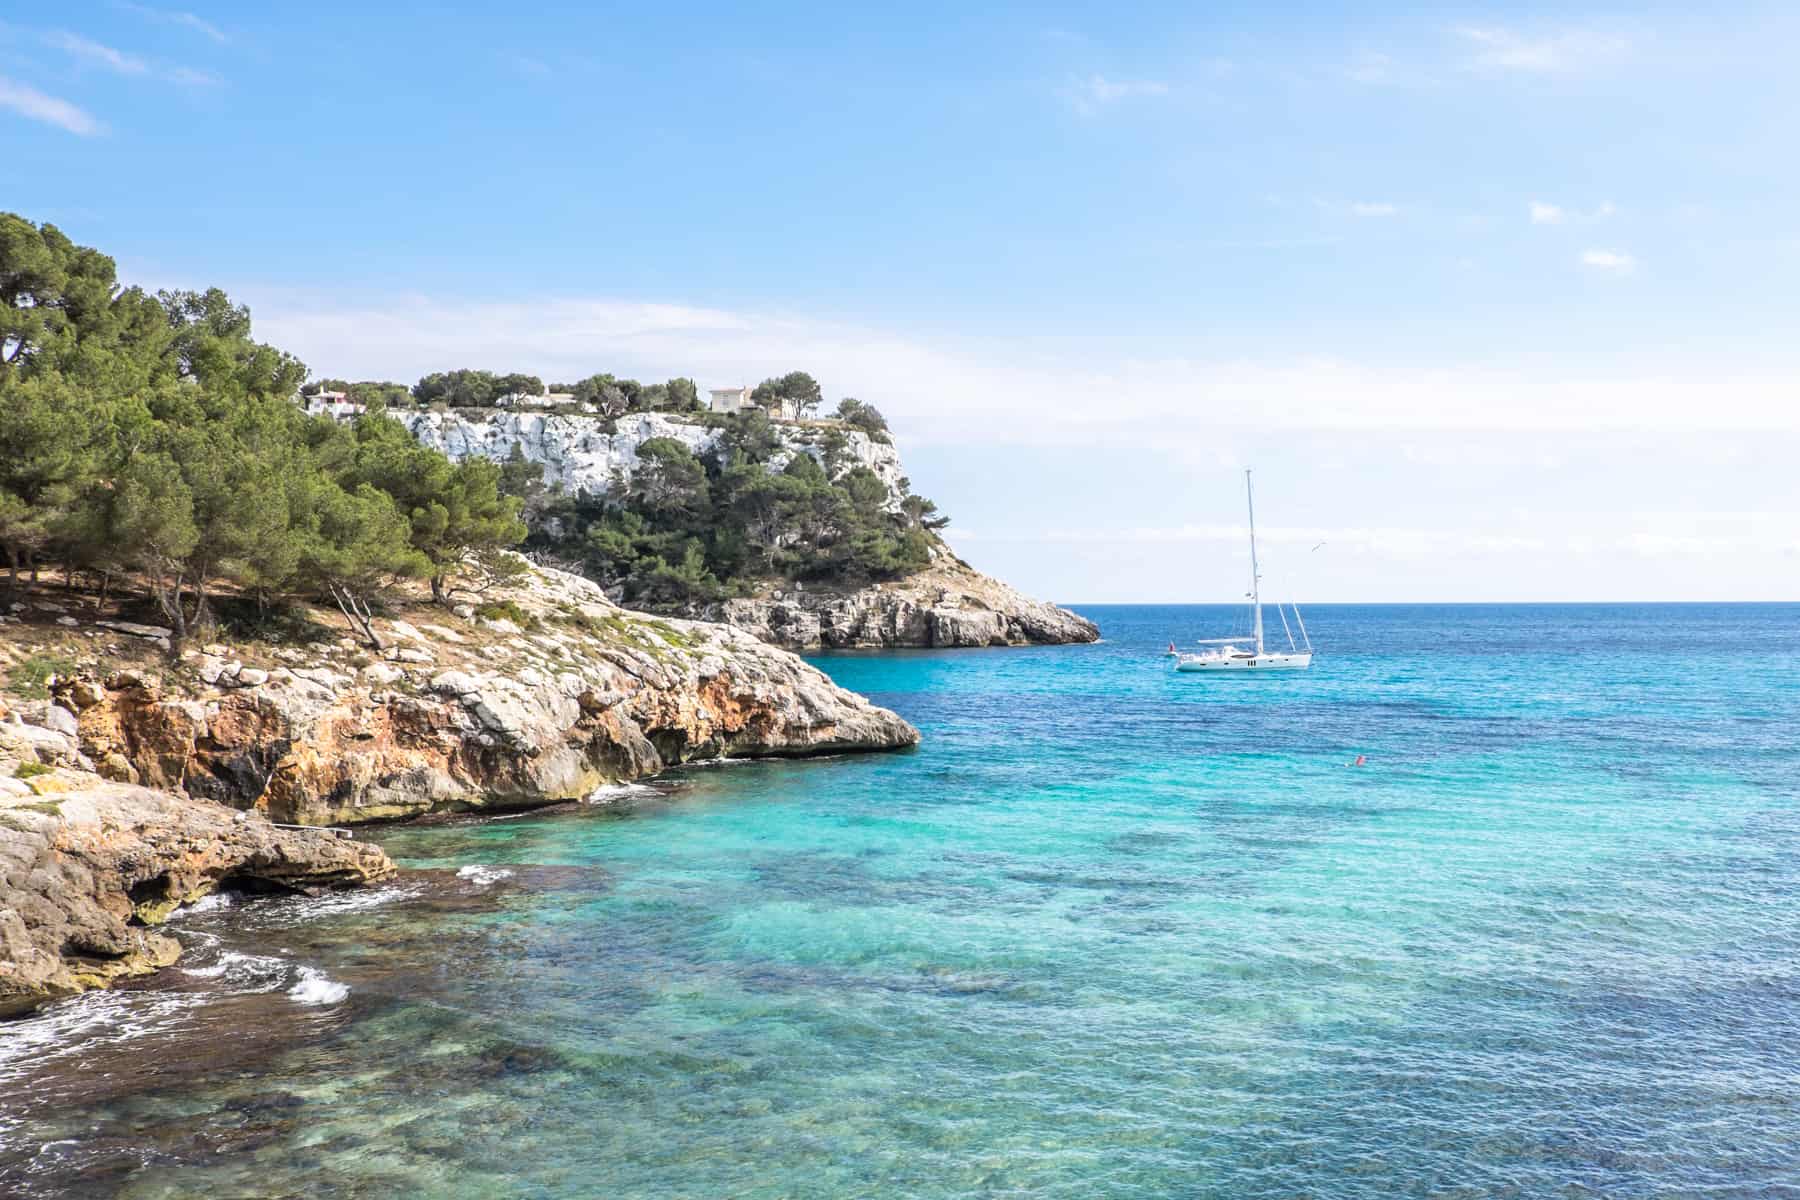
x: 1110, y: 932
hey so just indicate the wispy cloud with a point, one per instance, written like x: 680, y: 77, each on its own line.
x: 91, y: 51
x: 1374, y: 209
x: 173, y: 17
x: 1544, y: 213
x: 1609, y: 260
x: 31, y: 103
x: 1097, y: 91
x: 996, y: 395
x: 1500, y: 49
x: 190, y: 77
x: 122, y: 63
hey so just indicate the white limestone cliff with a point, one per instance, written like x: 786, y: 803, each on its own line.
x: 579, y: 455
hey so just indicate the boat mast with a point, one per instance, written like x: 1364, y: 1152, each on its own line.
x: 1255, y: 575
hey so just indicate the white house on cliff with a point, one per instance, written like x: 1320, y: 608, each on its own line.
x: 737, y: 399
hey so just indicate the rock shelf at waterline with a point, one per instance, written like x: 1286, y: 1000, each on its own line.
x: 87, y: 874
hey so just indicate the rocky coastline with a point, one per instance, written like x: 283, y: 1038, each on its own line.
x: 949, y: 605
x: 564, y: 694
x: 142, y: 782
x: 89, y: 868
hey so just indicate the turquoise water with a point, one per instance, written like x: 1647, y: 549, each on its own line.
x: 1109, y: 932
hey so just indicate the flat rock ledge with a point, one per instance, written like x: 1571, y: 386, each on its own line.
x: 87, y: 874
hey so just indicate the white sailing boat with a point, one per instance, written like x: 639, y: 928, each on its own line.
x: 1231, y: 654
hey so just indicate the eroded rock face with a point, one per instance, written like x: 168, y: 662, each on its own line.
x: 579, y: 455
x: 86, y: 874
x: 590, y: 694
x: 948, y: 605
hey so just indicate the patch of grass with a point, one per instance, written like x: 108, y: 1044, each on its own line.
x: 496, y: 610
x: 653, y: 637
x: 30, y: 770
x: 674, y: 636
x: 30, y: 678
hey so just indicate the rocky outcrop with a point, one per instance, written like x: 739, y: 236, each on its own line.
x: 948, y: 605
x: 583, y: 453
x: 477, y: 713
x: 89, y: 868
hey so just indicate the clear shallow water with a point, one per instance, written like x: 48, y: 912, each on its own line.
x: 1109, y: 932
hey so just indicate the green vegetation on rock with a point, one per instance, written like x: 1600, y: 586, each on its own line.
x: 151, y: 438
x: 30, y: 677
x: 686, y: 528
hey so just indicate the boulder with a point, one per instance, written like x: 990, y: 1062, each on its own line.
x: 88, y: 873
x: 58, y: 719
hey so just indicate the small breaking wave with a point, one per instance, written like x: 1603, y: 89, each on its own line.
x: 481, y: 875
x: 300, y: 910
x: 613, y: 793
x: 242, y: 972
x: 315, y: 987
x: 89, y: 1023
x: 211, y: 902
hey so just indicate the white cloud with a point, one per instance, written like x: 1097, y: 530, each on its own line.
x: 170, y: 17
x: 190, y: 77
x: 1496, y: 48
x: 119, y: 62
x: 1096, y: 91
x: 1373, y: 209
x: 29, y: 102
x: 1608, y: 260
x: 92, y: 51
x: 1555, y: 214
x: 1008, y: 395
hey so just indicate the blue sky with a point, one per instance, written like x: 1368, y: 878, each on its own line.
x: 1499, y: 300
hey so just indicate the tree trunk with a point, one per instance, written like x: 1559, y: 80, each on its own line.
x: 357, y: 612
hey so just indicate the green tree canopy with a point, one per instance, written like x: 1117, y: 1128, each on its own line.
x: 797, y: 387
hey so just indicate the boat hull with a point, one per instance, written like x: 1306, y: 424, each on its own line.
x: 1243, y: 662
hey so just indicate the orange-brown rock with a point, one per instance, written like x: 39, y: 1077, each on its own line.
x: 484, y: 714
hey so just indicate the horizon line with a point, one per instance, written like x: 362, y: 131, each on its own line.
x: 1382, y: 603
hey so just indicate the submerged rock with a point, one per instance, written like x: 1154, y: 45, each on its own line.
x: 86, y: 874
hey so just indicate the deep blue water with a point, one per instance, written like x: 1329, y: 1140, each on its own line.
x: 1110, y: 931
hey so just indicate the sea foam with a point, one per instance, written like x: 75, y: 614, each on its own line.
x: 315, y: 987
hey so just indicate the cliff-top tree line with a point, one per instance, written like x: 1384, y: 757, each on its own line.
x: 603, y: 394
x: 149, y: 440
